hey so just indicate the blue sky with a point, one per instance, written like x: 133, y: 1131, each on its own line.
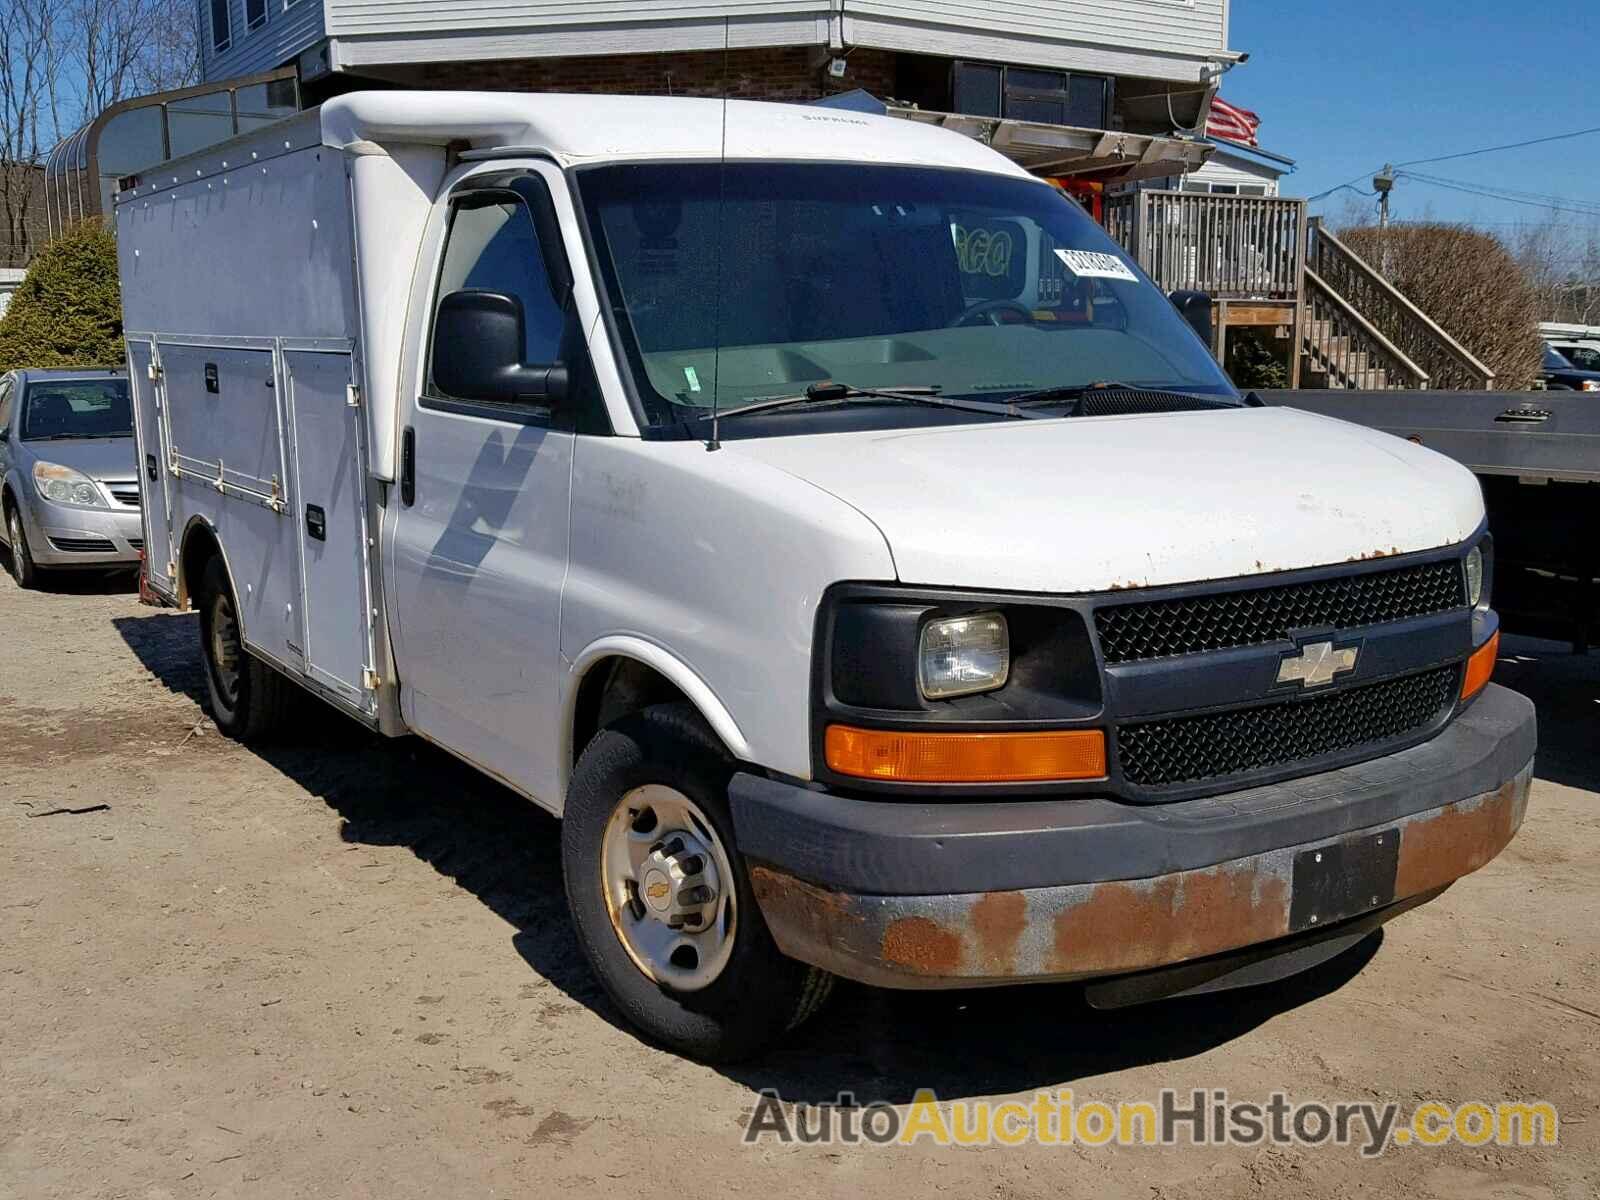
x: 1343, y: 86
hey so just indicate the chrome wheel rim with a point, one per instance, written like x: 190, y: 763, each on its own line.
x: 225, y: 648
x: 669, y: 888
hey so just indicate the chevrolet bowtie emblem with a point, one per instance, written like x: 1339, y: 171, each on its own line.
x: 1317, y: 664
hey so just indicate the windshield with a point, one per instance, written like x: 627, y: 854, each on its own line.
x: 77, y: 408
x: 759, y: 279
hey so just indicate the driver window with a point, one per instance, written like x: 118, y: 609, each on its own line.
x: 493, y: 247
x: 5, y: 405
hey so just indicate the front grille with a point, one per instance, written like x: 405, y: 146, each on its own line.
x: 1195, y: 749
x: 1256, y: 616
x: 83, y: 545
x: 136, y: 543
x: 126, y: 494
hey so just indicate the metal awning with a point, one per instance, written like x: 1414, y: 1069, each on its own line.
x: 1105, y: 156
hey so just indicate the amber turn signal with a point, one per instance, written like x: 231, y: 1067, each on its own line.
x: 917, y: 757
x: 1479, y: 667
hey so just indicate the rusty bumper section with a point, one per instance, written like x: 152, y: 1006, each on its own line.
x: 1082, y: 930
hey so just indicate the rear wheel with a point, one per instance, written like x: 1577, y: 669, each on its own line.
x: 661, y: 897
x: 22, y: 568
x: 249, y: 700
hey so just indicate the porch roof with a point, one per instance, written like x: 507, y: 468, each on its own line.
x: 1106, y: 156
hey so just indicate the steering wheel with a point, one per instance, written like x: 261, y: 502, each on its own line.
x: 990, y: 310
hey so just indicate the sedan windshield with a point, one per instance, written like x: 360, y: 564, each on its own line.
x: 60, y: 409
x: 739, y: 282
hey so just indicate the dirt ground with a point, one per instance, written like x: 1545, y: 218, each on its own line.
x: 342, y: 968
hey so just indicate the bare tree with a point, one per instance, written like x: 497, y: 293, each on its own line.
x: 1563, y: 262
x: 28, y: 73
x: 125, y: 48
x: 62, y: 63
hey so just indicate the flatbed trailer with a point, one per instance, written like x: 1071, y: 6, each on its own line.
x: 1537, y: 455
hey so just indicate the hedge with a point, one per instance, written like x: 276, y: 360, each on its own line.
x: 1469, y: 284
x: 67, y: 312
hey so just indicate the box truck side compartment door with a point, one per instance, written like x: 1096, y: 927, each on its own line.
x: 330, y: 519
x: 224, y: 423
x: 154, y: 480
x: 479, y: 556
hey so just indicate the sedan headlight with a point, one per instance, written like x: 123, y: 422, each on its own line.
x: 959, y: 656
x: 63, y: 485
x: 1589, y: 385
x: 1474, y: 572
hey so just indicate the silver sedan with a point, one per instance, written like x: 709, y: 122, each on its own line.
x: 69, y: 479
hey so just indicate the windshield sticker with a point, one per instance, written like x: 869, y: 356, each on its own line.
x: 693, y: 378
x: 1088, y: 264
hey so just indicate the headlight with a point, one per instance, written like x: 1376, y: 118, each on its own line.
x: 1474, y: 571
x: 959, y: 656
x: 66, y: 486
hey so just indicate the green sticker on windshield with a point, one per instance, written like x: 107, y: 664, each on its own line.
x: 693, y: 378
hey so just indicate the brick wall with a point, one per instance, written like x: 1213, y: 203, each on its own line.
x: 778, y: 73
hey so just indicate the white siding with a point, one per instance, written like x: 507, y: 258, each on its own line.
x: 288, y: 31
x: 1180, y: 27
x: 1163, y: 39
x: 355, y: 18
x: 1227, y: 169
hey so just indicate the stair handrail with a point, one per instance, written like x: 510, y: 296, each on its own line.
x: 1319, y: 285
x: 1320, y: 237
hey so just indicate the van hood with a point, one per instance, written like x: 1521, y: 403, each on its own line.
x: 1091, y: 504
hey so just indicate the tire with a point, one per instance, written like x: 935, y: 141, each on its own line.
x: 249, y: 700
x: 753, y: 995
x: 22, y: 568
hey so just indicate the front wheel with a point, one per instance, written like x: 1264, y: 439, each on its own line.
x: 661, y: 897
x: 22, y: 568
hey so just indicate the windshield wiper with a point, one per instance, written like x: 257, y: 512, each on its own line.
x: 1077, y: 394
x: 830, y: 392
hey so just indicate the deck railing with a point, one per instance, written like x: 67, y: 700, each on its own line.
x: 1234, y: 247
x: 1344, y: 348
x: 1445, y: 360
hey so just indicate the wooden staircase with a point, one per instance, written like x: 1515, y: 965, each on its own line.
x: 1357, y: 330
x: 1266, y: 263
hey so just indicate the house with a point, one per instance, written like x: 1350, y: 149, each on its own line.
x: 1235, y: 169
x: 1088, y: 90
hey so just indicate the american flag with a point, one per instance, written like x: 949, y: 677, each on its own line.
x: 1232, y: 123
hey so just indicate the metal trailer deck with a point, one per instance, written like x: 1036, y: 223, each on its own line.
x: 1537, y: 455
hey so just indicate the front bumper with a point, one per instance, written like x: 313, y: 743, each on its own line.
x: 965, y: 894
x: 63, y: 535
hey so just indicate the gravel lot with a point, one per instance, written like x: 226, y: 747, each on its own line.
x: 342, y: 967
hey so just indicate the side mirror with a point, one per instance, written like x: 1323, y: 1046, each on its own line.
x: 478, y: 340
x: 1195, y: 308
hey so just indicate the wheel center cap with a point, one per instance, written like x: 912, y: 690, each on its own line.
x: 657, y: 890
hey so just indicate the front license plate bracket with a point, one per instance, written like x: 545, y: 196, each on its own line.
x: 1343, y: 879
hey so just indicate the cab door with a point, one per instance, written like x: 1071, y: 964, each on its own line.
x: 478, y: 549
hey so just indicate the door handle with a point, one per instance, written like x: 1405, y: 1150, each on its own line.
x: 316, y: 523
x: 408, y: 467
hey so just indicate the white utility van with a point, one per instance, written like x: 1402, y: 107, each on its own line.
x: 829, y: 523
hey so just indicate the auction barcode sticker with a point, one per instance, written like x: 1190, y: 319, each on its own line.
x: 1090, y: 264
